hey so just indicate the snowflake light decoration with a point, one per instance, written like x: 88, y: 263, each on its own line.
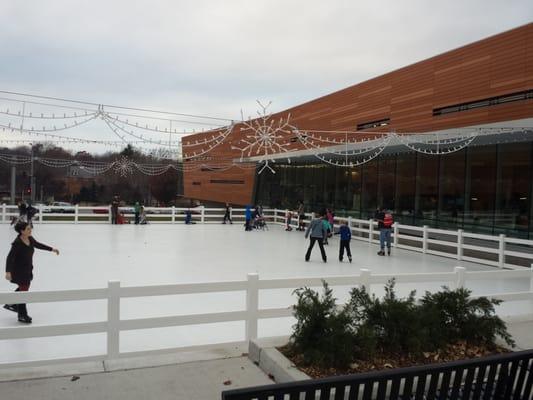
x: 265, y: 137
x: 123, y: 166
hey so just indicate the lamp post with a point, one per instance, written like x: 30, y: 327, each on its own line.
x: 32, y: 178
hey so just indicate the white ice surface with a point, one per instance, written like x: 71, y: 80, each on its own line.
x: 91, y: 255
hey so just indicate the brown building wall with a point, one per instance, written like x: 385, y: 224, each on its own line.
x: 495, y: 66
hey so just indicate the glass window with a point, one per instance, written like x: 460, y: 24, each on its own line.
x: 343, y: 190
x: 480, y: 188
x: 513, y: 188
x: 369, y: 189
x: 355, y: 183
x: 405, y: 188
x: 427, y: 183
x: 386, y: 181
x: 452, y: 189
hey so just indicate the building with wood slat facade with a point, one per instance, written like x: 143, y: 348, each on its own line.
x: 485, y: 187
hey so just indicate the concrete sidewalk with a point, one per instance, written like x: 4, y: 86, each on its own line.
x: 199, y: 380
x: 193, y: 376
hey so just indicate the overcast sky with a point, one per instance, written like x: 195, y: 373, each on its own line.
x: 217, y: 57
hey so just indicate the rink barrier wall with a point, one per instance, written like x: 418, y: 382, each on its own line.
x: 251, y: 315
x: 497, y: 251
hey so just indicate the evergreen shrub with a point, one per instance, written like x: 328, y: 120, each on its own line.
x: 327, y: 335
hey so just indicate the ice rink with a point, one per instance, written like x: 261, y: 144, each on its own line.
x: 140, y: 255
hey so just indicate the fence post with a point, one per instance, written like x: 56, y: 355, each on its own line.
x: 364, y: 277
x: 370, y: 230
x: 76, y: 216
x: 350, y: 224
x: 396, y: 234
x: 424, y: 239
x: 286, y: 213
x: 109, y: 214
x: 203, y: 213
x: 459, y: 277
x: 3, y: 212
x: 531, y: 280
x: 173, y: 218
x: 113, y: 319
x: 40, y: 213
x: 501, y: 251
x: 460, y: 242
x: 252, y: 306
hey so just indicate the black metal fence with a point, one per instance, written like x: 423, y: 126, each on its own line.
x: 503, y: 376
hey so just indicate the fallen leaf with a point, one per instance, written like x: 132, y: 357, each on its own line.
x: 74, y: 378
x: 228, y: 382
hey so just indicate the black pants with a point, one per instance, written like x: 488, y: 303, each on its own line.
x: 227, y: 218
x: 345, y: 244
x: 114, y: 216
x: 320, y: 244
x: 137, y: 218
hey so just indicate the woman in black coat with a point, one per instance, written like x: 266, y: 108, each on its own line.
x: 19, y: 265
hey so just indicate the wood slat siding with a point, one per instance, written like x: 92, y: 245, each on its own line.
x: 491, y: 67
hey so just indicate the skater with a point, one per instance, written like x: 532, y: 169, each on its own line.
x: 227, y: 214
x: 346, y: 236
x: 318, y: 233
x: 188, y: 217
x: 19, y: 266
x: 288, y: 219
x: 385, y: 222
x: 142, y: 216
x: 248, y: 218
x: 114, y: 210
x: 30, y: 213
x: 137, y: 210
x: 301, y: 217
x: 22, y: 214
x: 327, y: 227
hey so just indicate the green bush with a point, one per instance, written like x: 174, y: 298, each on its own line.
x: 451, y: 315
x: 322, y: 334
x: 326, y: 335
x: 393, y: 322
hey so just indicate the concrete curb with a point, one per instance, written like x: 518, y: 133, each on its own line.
x: 263, y: 353
x: 54, y: 370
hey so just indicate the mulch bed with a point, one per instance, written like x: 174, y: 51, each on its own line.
x: 381, y: 361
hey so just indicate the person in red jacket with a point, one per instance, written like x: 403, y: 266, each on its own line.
x: 19, y: 265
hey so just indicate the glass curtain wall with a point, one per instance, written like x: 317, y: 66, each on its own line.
x: 452, y: 189
x: 485, y: 189
x: 513, y: 189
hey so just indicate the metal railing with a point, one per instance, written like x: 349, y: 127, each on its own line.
x: 251, y: 287
x: 499, y: 377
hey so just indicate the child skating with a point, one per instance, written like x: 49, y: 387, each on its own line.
x: 346, y: 236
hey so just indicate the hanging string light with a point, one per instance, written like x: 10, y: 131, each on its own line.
x: 265, y: 137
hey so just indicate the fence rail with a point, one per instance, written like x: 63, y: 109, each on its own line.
x: 498, y: 251
x: 251, y: 315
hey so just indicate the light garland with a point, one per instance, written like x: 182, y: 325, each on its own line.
x: 217, y: 140
x: 265, y: 137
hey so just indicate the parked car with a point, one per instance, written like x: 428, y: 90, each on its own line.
x: 61, y: 207
x: 42, y: 207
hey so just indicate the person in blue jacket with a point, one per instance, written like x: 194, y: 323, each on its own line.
x: 346, y: 236
x: 248, y: 218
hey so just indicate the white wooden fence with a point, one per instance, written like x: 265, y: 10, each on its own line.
x: 499, y: 251
x: 251, y: 287
x: 421, y: 239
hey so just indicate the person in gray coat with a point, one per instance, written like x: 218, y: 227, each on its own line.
x: 318, y: 233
